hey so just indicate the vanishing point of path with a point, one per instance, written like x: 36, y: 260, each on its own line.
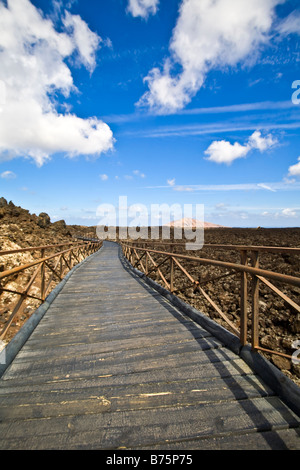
x: 113, y: 365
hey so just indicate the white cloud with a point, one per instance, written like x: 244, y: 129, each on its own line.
x: 294, y: 170
x: 223, y: 151
x: 278, y: 186
x: 171, y: 182
x: 289, y: 212
x: 182, y: 189
x: 142, y: 8
x: 8, y: 175
x: 291, y: 24
x: 221, y: 206
x: 84, y: 40
x: 139, y: 173
x: 258, y: 142
x: 33, y: 68
x: 104, y: 177
x: 209, y: 34
x: 266, y: 186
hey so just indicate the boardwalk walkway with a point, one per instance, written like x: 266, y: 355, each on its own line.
x: 114, y: 365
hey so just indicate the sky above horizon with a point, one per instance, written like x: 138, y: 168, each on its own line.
x: 162, y: 102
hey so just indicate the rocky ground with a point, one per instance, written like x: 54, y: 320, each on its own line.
x: 20, y: 229
x: 279, y: 324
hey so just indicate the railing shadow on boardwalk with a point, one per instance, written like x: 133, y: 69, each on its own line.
x: 260, y: 422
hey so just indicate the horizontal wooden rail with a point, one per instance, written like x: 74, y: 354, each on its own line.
x: 133, y: 253
x: 36, y: 248
x: 260, y: 248
x: 292, y: 280
x: 44, y: 274
x: 36, y: 262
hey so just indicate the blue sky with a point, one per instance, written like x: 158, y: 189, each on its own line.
x: 174, y: 101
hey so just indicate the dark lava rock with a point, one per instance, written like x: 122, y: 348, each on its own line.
x: 44, y: 220
x: 3, y: 202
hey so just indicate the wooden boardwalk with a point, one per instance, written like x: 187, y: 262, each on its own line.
x: 113, y: 365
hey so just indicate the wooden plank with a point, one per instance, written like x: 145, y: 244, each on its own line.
x: 286, y: 439
x: 38, y: 351
x: 79, y: 368
x: 105, y: 349
x: 27, y: 405
x: 99, y: 335
x: 175, y: 354
x: 147, y: 427
x: 181, y: 373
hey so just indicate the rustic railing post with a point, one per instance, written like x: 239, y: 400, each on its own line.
x: 244, y: 301
x: 255, y: 302
x: 43, y: 276
x: 146, y: 263
x: 171, y: 274
x: 60, y: 266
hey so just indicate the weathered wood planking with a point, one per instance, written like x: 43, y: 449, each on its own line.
x: 114, y: 365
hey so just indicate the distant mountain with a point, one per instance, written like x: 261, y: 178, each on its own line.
x: 192, y: 223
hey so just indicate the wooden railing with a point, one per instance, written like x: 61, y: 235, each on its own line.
x: 141, y: 254
x: 52, y: 264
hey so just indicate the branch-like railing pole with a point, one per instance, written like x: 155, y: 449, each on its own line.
x: 255, y: 302
x: 172, y: 273
x: 244, y: 301
x: 43, y: 275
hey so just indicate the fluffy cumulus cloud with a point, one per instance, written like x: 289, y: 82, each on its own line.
x: 209, y: 34
x: 222, y: 151
x: 85, y: 40
x: 33, y: 72
x: 142, y: 8
x: 289, y: 212
x: 257, y: 141
x: 294, y: 170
